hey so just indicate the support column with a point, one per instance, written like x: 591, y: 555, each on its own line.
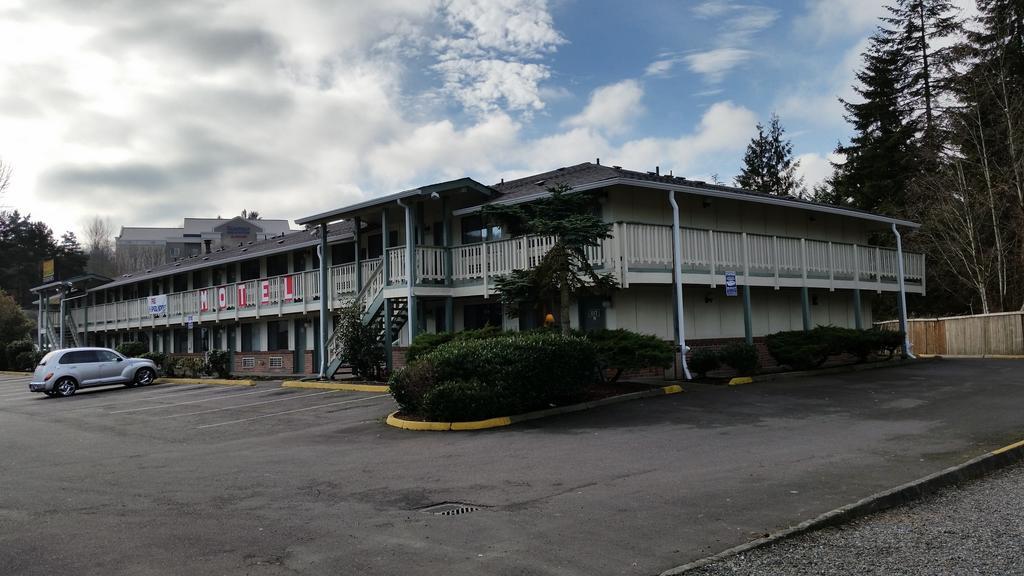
x: 39, y: 321
x: 388, y: 336
x: 805, y: 307
x: 858, y: 321
x: 446, y: 229
x: 449, y: 314
x: 60, y: 310
x: 748, y: 322
x: 410, y: 268
x: 325, y: 300
x: 384, y: 262
x: 356, y: 233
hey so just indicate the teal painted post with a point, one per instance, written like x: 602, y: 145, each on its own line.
x: 748, y: 322
x: 858, y: 321
x: 356, y: 233
x: 386, y: 270
x: 805, y: 307
x: 446, y: 229
x: 449, y: 314
x: 388, y: 336
x: 325, y: 301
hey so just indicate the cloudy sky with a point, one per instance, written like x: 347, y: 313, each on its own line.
x: 145, y: 111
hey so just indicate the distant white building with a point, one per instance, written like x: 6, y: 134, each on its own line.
x: 146, y: 246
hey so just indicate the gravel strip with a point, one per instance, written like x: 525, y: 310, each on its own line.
x: 977, y: 528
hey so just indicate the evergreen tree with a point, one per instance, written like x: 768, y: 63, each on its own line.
x: 565, y: 270
x: 879, y: 162
x: 919, y: 31
x: 768, y: 164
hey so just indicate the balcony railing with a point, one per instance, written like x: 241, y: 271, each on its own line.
x: 633, y: 253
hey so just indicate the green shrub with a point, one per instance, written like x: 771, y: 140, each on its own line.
x: 741, y: 357
x: 158, y: 358
x: 362, y: 350
x: 188, y: 366
x: 13, y: 349
x: 704, y: 360
x: 26, y: 360
x: 409, y: 384
x: 462, y: 400
x: 219, y: 363
x: 526, y: 371
x: 132, y: 349
x: 424, y: 344
x: 797, y: 349
x: 891, y: 341
x: 622, y: 350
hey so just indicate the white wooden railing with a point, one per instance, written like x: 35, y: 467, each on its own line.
x: 635, y: 249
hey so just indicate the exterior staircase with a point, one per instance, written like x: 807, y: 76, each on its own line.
x: 373, y: 315
x: 70, y: 332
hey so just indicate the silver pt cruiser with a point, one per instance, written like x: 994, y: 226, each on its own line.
x: 62, y: 372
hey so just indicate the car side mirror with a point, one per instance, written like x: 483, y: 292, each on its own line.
x: 119, y: 359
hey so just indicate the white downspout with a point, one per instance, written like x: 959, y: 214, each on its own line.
x: 903, y: 293
x: 677, y: 278
x: 410, y: 268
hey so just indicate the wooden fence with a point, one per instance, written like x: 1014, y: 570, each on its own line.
x: 979, y: 335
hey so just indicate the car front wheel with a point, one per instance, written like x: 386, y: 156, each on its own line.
x: 144, y: 377
x: 65, y: 387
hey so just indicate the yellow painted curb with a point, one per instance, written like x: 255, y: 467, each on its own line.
x: 216, y: 381
x: 1008, y: 448
x: 394, y: 420
x: 335, y: 386
x: 741, y: 380
x: 10, y: 373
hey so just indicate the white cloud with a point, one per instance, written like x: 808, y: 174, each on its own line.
x: 714, y: 64
x: 815, y: 168
x: 611, y: 108
x: 489, y: 55
x: 740, y: 23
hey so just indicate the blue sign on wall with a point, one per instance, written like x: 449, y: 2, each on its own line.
x: 730, y: 283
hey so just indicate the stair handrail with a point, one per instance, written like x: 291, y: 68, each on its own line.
x: 72, y: 328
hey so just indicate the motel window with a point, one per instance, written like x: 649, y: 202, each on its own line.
x: 473, y: 230
x: 277, y: 335
x: 373, y: 246
x: 343, y: 253
x: 250, y: 270
x: 277, y: 265
x: 476, y: 316
x: 247, y: 338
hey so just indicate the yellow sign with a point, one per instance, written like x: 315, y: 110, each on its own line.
x: 48, y: 270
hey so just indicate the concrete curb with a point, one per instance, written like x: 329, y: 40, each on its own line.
x: 913, y: 490
x: 12, y: 373
x: 214, y: 381
x: 312, y: 384
x: 393, y: 420
x: 972, y: 356
x: 831, y: 370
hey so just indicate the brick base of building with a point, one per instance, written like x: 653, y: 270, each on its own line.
x: 277, y: 362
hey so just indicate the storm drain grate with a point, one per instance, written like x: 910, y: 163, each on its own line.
x: 451, y: 509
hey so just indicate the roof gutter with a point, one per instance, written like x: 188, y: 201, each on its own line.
x: 739, y: 196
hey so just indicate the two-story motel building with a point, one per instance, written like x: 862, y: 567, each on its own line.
x: 424, y: 260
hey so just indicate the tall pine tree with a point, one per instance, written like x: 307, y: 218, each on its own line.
x: 879, y: 162
x: 768, y: 164
x: 920, y: 31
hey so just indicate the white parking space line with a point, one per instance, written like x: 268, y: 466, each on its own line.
x: 290, y: 411
x: 156, y: 395
x: 218, y: 397
x: 292, y: 397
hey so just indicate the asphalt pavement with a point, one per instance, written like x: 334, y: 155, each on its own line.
x: 213, y: 480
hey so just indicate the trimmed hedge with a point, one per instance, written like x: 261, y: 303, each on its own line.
x: 703, y: 360
x: 473, y: 379
x: 802, y: 350
x: 424, y: 344
x: 219, y: 363
x: 622, y: 350
x: 741, y: 357
x: 132, y: 349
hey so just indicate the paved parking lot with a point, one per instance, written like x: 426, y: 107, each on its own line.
x: 216, y: 480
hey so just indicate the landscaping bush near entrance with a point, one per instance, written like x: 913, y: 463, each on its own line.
x: 741, y: 357
x: 132, y: 349
x: 472, y: 379
x: 218, y: 362
x: 621, y: 350
x: 804, y: 350
x: 704, y: 360
x: 424, y: 344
